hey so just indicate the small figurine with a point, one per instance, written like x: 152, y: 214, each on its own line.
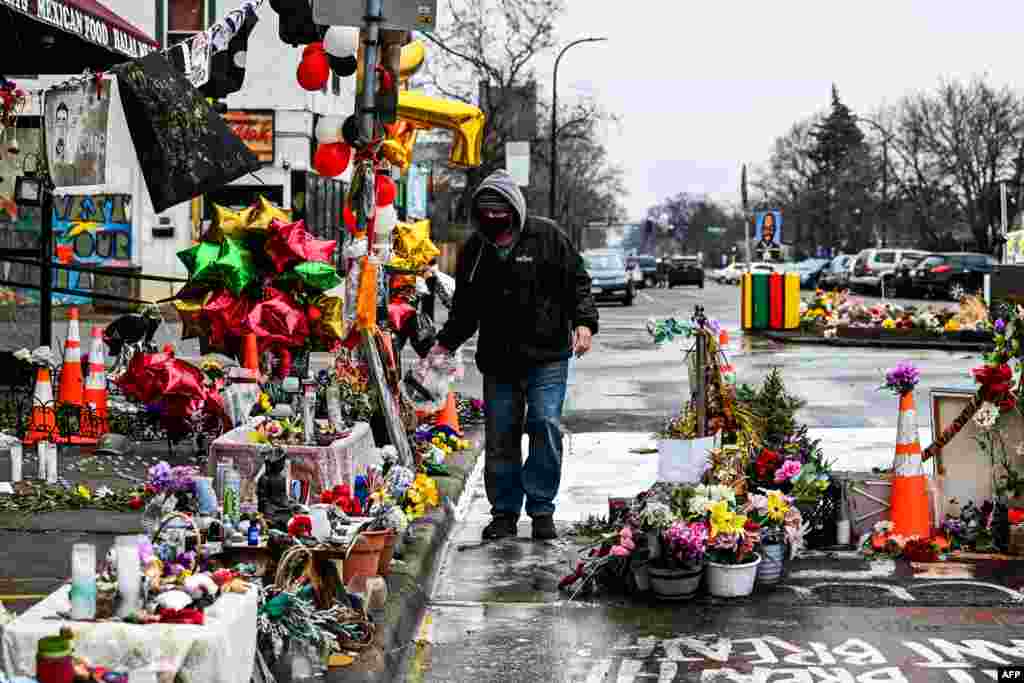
x: 272, y: 490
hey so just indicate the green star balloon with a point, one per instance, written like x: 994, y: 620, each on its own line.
x: 199, y: 257
x: 236, y: 266
x: 316, y: 275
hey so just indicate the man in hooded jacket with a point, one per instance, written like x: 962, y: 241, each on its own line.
x: 523, y: 285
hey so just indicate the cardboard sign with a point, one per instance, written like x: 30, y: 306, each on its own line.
x: 76, y: 135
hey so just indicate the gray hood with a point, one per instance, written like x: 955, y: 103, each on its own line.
x: 502, y: 183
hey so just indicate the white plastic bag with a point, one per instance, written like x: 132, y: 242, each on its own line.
x: 445, y: 287
x: 570, y: 387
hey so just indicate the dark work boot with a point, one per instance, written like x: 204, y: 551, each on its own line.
x: 544, y: 528
x: 502, y: 526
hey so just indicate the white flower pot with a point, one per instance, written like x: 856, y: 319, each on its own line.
x: 732, y: 580
x: 683, y: 461
x: 675, y: 584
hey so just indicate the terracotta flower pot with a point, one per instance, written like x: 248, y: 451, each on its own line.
x: 364, y: 558
x: 386, y: 555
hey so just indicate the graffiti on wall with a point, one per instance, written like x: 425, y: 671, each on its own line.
x: 93, y: 230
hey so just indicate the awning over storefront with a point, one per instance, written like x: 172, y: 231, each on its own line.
x: 66, y: 37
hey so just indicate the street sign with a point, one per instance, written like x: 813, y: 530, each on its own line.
x: 715, y: 230
x: 401, y: 15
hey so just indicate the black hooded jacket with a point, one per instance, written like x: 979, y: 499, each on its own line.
x: 526, y: 306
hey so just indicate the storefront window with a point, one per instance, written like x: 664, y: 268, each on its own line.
x: 185, y: 18
x: 19, y: 218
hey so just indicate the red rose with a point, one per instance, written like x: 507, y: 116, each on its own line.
x: 342, y: 491
x: 327, y: 497
x: 357, y: 507
x: 300, y: 525
x: 150, y: 489
x: 751, y: 525
x: 135, y: 503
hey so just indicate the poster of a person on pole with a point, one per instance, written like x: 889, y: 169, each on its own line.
x: 768, y: 226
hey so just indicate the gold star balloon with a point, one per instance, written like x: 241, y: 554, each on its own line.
x: 265, y: 213
x: 228, y: 223
x: 332, y: 317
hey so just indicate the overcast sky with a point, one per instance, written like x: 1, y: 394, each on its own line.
x: 705, y: 85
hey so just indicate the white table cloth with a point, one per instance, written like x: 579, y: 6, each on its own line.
x: 220, y: 651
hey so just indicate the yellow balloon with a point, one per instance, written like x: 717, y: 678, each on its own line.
x: 228, y: 223
x: 332, y: 317
x: 413, y: 56
x: 266, y: 213
x: 464, y: 120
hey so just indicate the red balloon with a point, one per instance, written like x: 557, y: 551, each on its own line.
x: 313, y: 48
x: 387, y: 191
x: 314, y: 71
x: 332, y: 159
x: 349, y: 217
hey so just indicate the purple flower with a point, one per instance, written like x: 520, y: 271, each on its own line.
x: 1000, y: 325
x: 903, y: 378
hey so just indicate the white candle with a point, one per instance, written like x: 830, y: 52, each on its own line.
x: 83, y: 581
x: 16, y: 454
x: 129, y: 574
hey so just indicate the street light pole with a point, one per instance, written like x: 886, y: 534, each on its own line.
x: 553, y: 197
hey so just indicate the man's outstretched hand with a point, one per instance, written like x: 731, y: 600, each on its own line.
x: 582, y: 339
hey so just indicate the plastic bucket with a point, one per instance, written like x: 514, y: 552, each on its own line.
x: 675, y: 584
x: 732, y: 580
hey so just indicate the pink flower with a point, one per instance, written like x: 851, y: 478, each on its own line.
x: 626, y: 539
x: 789, y: 470
x: 620, y: 551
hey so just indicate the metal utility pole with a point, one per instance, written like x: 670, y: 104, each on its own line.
x: 746, y: 216
x: 553, y: 197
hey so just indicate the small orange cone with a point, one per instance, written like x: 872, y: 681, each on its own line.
x: 70, y: 390
x: 96, y: 389
x: 250, y: 352
x: 43, y: 425
x: 909, y: 508
x: 449, y: 416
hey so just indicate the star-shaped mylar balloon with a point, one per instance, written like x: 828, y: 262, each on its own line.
x: 264, y: 215
x: 228, y: 223
x: 289, y: 243
x: 236, y: 266
x: 278, y: 320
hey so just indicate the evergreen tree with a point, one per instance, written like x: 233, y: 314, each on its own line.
x: 777, y: 408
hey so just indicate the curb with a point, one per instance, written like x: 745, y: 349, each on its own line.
x: 876, y: 343
x: 409, y: 587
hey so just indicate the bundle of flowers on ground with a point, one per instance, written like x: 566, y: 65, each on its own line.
x: 833, y: 314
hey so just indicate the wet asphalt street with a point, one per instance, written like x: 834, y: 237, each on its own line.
x: 496, y: 616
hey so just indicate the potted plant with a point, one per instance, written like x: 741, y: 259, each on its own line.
x: 676, y: 574
x: 731, y: 560
x: 781, y: 526
x: 387, y: 516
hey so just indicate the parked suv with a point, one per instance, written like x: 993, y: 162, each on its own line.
x: 683, y: 270
x: 608, y: 276
x: 900, y: 282
x: 836, y: 274
x: 872, y: 264
x: 954, y: 275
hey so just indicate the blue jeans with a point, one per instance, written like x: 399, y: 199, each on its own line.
x: 533, y: 405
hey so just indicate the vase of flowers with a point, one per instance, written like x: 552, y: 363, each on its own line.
x: 170, y: 489
x: 731, y: 560
x: 677, y: 574
x: 781, y: 524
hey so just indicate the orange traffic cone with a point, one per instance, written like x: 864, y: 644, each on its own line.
x: 43, y: 425
x: 70, y: 391
x: 250, y: 352
x: 96, y: 389
x: 909, y: 508
x: 723, y: 338
x: 449, y: 416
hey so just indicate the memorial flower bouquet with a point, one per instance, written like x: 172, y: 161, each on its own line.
x: 685, y: 544
x: 777, y: 515
x: 732, y: 536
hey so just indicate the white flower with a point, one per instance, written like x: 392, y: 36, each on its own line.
x: 44, y: 356
x: 719, y: 492
x: 830, y: 333
x: 23, y: 355
x: 103, y: 492
x: 699, y: 505
x: 987, y: 416
x: 884, y: 527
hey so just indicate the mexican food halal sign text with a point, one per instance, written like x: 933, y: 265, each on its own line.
x: 65, y: 16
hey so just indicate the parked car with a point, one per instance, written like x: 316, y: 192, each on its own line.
x: 900, y: 282
x: 683, y: 270
x: 808, y: 270
x: 872, y: 264
x: 648, y: 267
x: 608, y: 276
x: 836, y: 275
x: 731, y: 274
x: 953, y: 275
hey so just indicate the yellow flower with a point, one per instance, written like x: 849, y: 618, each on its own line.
x: 721, y: 518
x: 777, y: 507
x: 889, y: 324
x: 83, y: 492
x: 952, y: 326
x: 265, y: 403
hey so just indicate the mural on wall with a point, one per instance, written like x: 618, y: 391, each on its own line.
x: 93, y: 230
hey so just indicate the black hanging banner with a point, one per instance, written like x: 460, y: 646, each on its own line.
x: 185, y: 149
x: 227, y: 69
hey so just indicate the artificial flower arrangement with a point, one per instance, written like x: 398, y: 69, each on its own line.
x: 732, y: 535
x: 282, y: 432
x: 777, y: 515
x: 883, y: 543
x: 684, y: 545
x: 172, y: 488
x: 829, y: 311
x: 387, y: 514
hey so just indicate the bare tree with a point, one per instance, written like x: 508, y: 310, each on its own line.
x: 967, y: 138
